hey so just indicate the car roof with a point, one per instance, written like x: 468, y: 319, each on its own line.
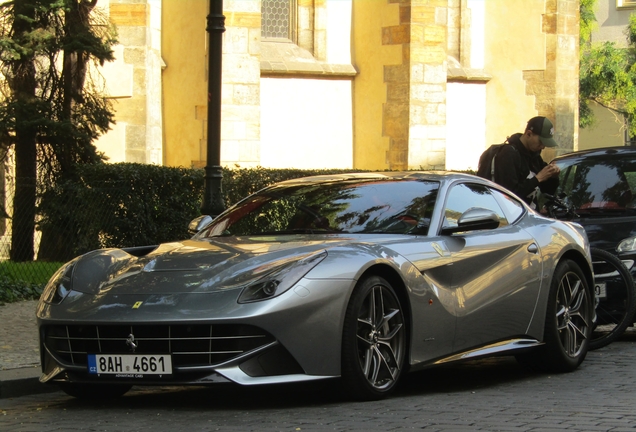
x: 384, y: 175
x: 598, y: 153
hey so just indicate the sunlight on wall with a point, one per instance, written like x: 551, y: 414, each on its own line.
x: 477, y: 33
x: 297, y: 134
x: 339, y: 31
x: 465, y: 125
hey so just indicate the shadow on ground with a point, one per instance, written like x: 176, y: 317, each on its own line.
x: 465, y: 377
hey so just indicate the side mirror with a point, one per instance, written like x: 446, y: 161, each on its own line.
x: 474, y: 219
x: 198, y: 223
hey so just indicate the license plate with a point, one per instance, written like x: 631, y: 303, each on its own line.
x: 600, y: 290
x: 123, y: 364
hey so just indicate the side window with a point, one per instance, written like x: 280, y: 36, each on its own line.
x: 465, y: 196
x: 512, y: 208
x: 597, y: 184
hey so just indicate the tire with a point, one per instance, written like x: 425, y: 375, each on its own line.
x: 373, y: 340
x: 615, y: 312
x: 95, y: 391
x: 568, y: 322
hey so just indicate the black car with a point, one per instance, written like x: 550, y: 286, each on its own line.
x: 600, y: 186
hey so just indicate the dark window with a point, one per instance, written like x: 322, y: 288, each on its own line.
x: 357, y: 206
x: 599, y: 184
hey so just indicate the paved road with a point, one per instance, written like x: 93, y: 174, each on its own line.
x: 18, y: 335
x: 486, y: 395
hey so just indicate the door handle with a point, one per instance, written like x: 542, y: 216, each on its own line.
x: 533, y: 248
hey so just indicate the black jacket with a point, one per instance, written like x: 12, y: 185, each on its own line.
x: 513, y: 166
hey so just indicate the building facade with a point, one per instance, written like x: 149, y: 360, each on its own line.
x: 365, y: 84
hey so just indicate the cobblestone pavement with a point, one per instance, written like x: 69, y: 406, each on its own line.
x: 18, y: 335
x: 485, y: 395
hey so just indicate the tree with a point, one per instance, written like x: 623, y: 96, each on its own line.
x: 607, y: 71
x: 51, y: 110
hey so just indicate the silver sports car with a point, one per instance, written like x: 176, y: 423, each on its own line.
x: 361, y: 277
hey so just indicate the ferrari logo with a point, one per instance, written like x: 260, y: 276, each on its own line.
x: 136, y: 305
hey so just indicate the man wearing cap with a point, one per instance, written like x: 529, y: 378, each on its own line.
x: 520, y: 167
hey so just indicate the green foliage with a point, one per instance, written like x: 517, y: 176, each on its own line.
x: 24, y: 281
x: 607, y: 74
x: 118, y: 205
x: 587, y: 20
x: 35, y: 272
x: 51, y: 108
x: 12, y: 291
x: 55, y: 40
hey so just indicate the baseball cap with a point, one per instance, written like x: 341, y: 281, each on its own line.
x: 543, y: 127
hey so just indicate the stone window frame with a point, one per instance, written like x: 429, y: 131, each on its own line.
x: 625, y: 4
x: 308, y: 27
x: 458, y: 45
x: 307, y: 54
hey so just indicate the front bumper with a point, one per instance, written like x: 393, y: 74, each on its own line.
x: 209, y: 337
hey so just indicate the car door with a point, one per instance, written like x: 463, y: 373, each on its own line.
x: 496, y: 272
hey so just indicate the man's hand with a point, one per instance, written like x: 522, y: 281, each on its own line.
x: 549, y: 171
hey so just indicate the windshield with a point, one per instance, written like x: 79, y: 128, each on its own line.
x: 351, y: 206
x: 592, y: 186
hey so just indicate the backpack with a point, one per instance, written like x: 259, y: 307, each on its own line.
x: 486, y: 166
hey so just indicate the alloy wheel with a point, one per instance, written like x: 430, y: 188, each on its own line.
x: 381, y: 337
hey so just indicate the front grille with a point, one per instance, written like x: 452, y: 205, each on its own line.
x: 190, y: 345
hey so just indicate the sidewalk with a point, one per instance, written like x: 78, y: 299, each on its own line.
x: 19, y: 352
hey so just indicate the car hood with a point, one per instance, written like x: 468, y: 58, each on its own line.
x: 192, y: 265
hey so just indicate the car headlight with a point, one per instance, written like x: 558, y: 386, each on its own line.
x: 60, y: 284
x: 627, y: 245
x: 280, y: 279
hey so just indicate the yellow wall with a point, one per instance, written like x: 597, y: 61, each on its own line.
x: 369, y: 58
x: 508, y: 52
x: 184, y: 79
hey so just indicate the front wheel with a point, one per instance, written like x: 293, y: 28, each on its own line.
x: 568, y: 323
x: 615, y: 298
x: 373, y: 340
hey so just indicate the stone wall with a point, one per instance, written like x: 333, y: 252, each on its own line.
x: 556, y: 88
x: 138, y: 114
x: 241, y: 116
x: 428, y: 63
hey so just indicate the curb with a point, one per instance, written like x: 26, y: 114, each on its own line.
x: 22, y: 382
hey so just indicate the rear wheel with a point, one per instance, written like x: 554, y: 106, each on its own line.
x: 615, y: 298
x: 568, y: 322
x: 374, y: 340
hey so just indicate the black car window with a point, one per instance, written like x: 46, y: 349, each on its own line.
x: 594, y: 185
x: 466, y: 196
x: 356, y: 206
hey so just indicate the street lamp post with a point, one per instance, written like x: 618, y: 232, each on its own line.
x: 213, y: 196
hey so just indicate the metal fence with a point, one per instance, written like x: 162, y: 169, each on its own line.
x: 36, y: 272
